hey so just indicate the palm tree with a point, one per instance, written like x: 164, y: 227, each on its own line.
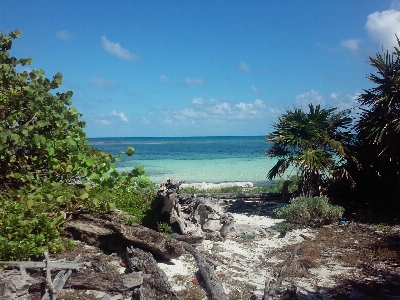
x: 313, y: 143
x: 379, y: 126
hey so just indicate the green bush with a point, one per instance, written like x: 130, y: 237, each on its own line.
x: 32, y: 218
x: 28, y: 227
x: 308, y: 212
x: 43, y: 148
x: 277, y: 186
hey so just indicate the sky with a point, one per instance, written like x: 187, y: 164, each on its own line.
x: 201, y: 68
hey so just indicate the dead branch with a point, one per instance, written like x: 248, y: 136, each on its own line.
x: 59, y: 281
x: 213, y: 284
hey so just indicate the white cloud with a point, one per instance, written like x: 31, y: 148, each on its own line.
x: 382, y: 26
x: 311, y: 96
x: 343, y: 101
x: 259, y: 103
x: 219, y: 112
x: 254, y: 89
x: 165, y: 79
x: 333, y: 95
x: 221, y: 109
x: 121, y: 115
x: 117, y: 50
x: 103, y: 83
x: 251, y: 108
x: 194, y: 81
x: 243, y: 67
x: 197, y: 101
x: 64, y: 35
x: 106, y: 122
x: 351, y: 44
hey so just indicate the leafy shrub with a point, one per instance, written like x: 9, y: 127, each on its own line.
x: 32, y: 218
x: 27, y: 227
x: 277, y: 185
x: 308, y: 212
x: 134, y: 201
x: 43, y: 148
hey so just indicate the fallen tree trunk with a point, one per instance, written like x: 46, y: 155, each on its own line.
x: 110, y: 232
x: 213, y: 284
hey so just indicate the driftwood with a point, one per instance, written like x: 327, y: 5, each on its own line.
x: 194, y: 216
x: 14, y: 285
x: 155, y: 285
x: 271, y: 291
x: 110, y: 232
x: 59, y: 281
x: 213, y: 284
x: 40, y: 264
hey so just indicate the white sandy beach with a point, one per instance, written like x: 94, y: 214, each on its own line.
x: 239, y: 258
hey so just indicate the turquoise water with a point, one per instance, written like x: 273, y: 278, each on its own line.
x: 194, y: 159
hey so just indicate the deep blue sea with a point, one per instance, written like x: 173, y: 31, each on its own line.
x: 194, y: 159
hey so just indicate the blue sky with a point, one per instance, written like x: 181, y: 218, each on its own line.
x: 201, y: 68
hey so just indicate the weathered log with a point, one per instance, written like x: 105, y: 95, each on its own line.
x: 156, y: 286
x: 110, y: 232
x: 59, y: 281
x: 213, y: 284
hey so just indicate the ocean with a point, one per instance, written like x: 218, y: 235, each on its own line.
x: 194, y: 159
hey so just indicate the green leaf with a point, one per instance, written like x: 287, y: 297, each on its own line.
x: 29, y: 204
x: 84, y: 195
x: 41, y: 123
x: 89, y: 161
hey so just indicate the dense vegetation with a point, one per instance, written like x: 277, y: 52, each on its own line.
x: 47, y: 167
x: 353, y: 159
x: 312, y: 143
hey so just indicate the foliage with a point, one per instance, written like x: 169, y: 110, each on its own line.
x: 275, y: 187
x: 134, y: 201
x: 194, y: 190
x: 377, y: 165
x: 32, y: 217
x: 379, y: 124
x: 43, y: 152
x: 303, y: 212
x: 164, y: 228
x: 313, y: 143
x: 31, y: 222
